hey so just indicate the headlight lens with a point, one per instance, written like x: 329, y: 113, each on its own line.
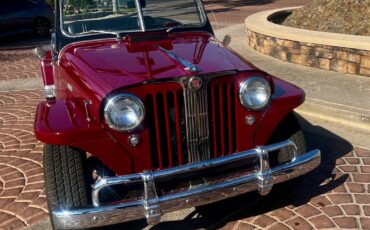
x: 254, y: 93
x: 124, y: 112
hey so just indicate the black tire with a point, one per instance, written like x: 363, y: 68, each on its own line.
x: 66, y: 180
x: 288, y: 129
x: 41, y: 27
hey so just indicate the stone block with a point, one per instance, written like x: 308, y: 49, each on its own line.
x: 324, y: 63
x: 351, y: 57
x: 365, y: 62
x: 323, y: 50
x: 364, y: 52
x: 290, y: 44
x: 342, y: 55
x: 280, y: 42
x: 306, y: 50
x: 338, y: 65
x: 299, y: 59
x: 312, y: 61
x: 324, y: 53
x: 282, y: 55
x: 352, y: 68
x: 365, y: 72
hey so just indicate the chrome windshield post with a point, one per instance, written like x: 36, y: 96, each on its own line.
x: 265, y: 180
x: 140, y: 14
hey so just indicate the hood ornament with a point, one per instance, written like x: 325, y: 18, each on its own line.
x: 188, y: 66
x: 195, y: 83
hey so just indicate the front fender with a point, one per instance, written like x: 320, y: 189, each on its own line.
x: 285, y: 99
x: 56, y: 124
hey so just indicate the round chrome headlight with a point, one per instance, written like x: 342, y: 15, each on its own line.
x: 254, y: 93
x: 124, y: 112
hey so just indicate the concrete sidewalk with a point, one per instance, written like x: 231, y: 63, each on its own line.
x: 338, y: 102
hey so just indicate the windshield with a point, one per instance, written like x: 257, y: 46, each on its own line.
x: 82, y: 17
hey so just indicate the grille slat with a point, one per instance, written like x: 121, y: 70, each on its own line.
x: 214, y: 121
x: 158, y: 135
x: 178, y: 127
x: 230, y: 119
x: 222, y: 123
x: 168, y: 132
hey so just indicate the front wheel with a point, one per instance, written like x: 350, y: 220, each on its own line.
x: 288, y: 129
x: 66, y: 178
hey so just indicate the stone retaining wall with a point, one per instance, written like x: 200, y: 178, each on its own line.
x: 344, y: 60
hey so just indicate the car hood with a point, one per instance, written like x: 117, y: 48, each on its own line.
x: 115, y: 64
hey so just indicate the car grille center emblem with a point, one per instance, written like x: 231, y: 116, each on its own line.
x: 195, y: 83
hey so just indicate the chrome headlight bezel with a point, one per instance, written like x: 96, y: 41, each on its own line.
x: 113, y: 102
x: 243, y: 88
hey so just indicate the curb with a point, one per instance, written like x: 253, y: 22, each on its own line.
x: 335, y: 122
x: 346, y: 115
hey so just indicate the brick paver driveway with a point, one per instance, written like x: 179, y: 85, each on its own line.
x: 336, y: 195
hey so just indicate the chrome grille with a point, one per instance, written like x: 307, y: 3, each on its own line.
x: 197, y: 122
x: 187, y: 125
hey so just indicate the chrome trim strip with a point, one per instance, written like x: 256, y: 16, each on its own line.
x: 187, y: 65
x: 204, y: 194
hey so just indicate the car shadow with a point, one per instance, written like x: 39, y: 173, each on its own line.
x: 315, y: 183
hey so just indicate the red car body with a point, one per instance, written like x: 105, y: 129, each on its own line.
x: 146, y: 112
x: 91, y: 70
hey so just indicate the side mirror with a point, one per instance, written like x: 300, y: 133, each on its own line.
x: 39, y: 53
x: 226, y: 41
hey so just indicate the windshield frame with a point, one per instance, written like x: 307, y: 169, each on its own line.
x: 200, y: 7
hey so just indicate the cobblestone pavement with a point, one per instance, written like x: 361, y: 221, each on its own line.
x: 22, y: 201
x: 334, y: 196
x: 18, y: 64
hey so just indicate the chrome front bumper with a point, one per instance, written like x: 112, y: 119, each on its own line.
x: 151, y: 206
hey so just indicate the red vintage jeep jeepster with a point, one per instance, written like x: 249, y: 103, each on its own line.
x: 146, y: 112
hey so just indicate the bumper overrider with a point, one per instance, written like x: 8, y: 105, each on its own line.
x: 151, y: 206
